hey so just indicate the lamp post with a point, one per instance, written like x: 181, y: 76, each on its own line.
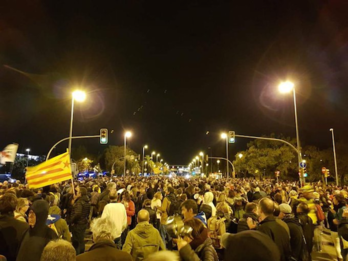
x: 224, y: 136
x: 79, y: 96
x: 202, y: 155
x: 153, y: 153
x: 218, y: 162
x: 145, y: 147
x: 27, y: 150
x: 287, y: 87
x: 157, y: 157
x: 128, y: 134
x: 334, y: 152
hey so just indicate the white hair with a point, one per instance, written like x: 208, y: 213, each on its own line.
x: 59, y: 250
x: 102, y: 229
x: 163, y: 256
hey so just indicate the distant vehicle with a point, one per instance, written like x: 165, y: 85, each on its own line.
x: 7, y: 177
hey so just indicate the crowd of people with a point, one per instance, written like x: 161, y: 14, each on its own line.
x: 162, y: 218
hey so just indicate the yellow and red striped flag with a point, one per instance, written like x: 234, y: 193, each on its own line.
x: 49, y: 172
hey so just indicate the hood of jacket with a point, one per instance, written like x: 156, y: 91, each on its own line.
x: 40, y: 208
x: 289, y: 218
x: 251, y: 215
x: 54, y: 210
x: 206, y: 243
x: 145, y: 230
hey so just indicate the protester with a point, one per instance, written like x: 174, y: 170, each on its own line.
x: 38, y: 235
x: 59, y: 250
x: 189, y: 210
x: 11, y: 229
x: 21, y: 209
x: 104, y: 247
x: 144, y: 239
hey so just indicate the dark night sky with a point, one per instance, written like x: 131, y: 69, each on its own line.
x: 172, y: 70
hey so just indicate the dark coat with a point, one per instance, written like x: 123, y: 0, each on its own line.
x: 278, y: 234
x: 153, y: 217
x: 36, y: 238
x: 204, y: 252
x: 104, y: 250
x: 308, y: 230
x: 207, y: 210
x: 11, y: 234
x: 296, y: 236
x: 80, y: 211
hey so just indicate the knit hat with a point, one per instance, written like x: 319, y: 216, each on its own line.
x: 285, y: 208
x: 263, y: 248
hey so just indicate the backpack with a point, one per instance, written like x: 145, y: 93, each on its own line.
x: 174, y: 206
x: 53, y: 227
x: 320, y: 213
x: 50, y: 222
x: 238, y: 214
x: 217, y: 228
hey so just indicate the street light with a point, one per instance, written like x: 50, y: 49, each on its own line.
x: 224, y: 136
x: 240, y: 155
x: 218, y: 162
x: 27, y: 150
x: 79, y: 96
x: 287, y: 87
x: 157, y: 157
x: 145, y: 147
x: 153, y: 153
x: 202, y: 155
x: 127, y: 134
x: 334, y: 151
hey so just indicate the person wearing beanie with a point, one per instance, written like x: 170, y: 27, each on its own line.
x: 38, y: 235
x: 296, y: 233
x: 79, y: 219
x: 263, y: 248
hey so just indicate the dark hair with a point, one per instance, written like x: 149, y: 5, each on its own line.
x: 267, y: 206
x: 190, y: 204
x: 276, y: 211
x: 196, y: 225
x: 8, y: 203
x: 183, y: 197
x: 278, y: 198
x: 126, y: 195
x: 170, y: 190
x: 250, y: 207
x: 341, y: 200
x: 179, y: 191
x: 147, y: 202
x: 83, y: 191
x: 303, y: 208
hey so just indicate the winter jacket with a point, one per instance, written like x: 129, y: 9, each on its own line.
x: 36, y: 238
x: 296, y: 236
x: 278, y: 234
x: 104, y: 250
x: 308, y: 230
x: 153, y: 217
x: 80, y: 211
x: 11, y: 234
x: 207, y: 209
x: 165, y: 208
x: 59, y: 223
x: 201, y: 216
x: 142, y: 241
x: 204, y: 252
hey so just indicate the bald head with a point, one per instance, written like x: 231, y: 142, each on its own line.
x: 266, y: 205
x: 143, y: 215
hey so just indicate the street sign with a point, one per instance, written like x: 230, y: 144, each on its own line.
x: 303, y: 164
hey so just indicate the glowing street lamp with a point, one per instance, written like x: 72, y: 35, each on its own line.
x: 145, y: 147
x: 27, y: 150
x: 153, y: 153
x: 127, y: 134
x: 240, y: 155
x: 287, y: 87
x: 157, y: 157
x: 79, y: 96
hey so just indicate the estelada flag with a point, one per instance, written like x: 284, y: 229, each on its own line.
x: 50, y: 172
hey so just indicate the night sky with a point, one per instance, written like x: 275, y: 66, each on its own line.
x: 170, y: 71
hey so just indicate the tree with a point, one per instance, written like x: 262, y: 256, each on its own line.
x: 114, y: 159
x: 263, y: 156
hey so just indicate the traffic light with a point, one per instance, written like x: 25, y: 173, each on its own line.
x: 206, y: 158
x: 305, y: 174
x: 231, y: 137
x: 103, y: 136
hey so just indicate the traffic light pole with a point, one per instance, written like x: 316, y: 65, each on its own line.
x: 76, y: 137
x: 227, y: 161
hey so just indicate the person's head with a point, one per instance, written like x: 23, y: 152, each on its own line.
x: 126, y: 196
x: 8, y: 203
x: 208, y: 197
x: 143, y: 215
x: 302, y: 208
x: 251, y: 208
x: 263, y: 248
x: 265, y: 208
x: 284, y: 210
x: 278, y: 198
x: 197, y: 230
x: 339, y: 200
x: 113, y: 195
x: 102, y: 229
x: 179, y: 191
x: 222, y: 207
x: 111, y: 186
x: 158, y: 195
x: 189, y: 209
x: 170, y: 190
x: 58, y: 250
x: 38, y: 213
x: 147, y: 203
x: 222, y: 197
x: 22, y: 205
x: 183, y: 197
x: 163, y: 256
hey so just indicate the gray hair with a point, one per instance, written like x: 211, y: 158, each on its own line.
x: 102, y: 229
x: 163, y: 256
x: 58, y: 250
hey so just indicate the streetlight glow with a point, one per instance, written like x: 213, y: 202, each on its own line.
x: 201, y: 154
x: 240, y: 155
x: 145, y: 146
x: 79, y: 95
x: 27, y: 150
x: 286, y: 87
x: 128, y: 134
x: 223, y: 135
